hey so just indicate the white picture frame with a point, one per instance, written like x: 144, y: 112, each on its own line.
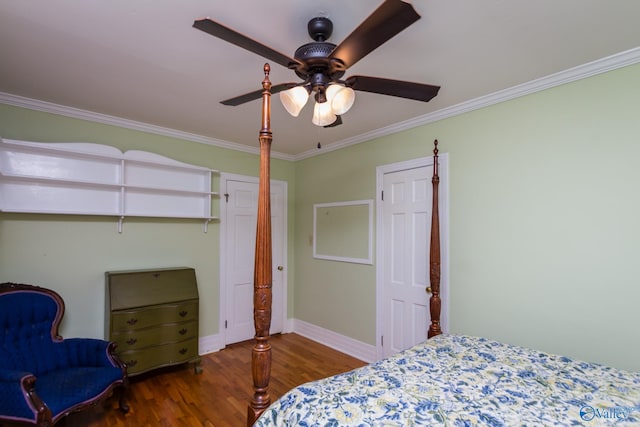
x: 343, y: 231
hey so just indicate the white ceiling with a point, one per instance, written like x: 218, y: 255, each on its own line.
x: 141, y: 60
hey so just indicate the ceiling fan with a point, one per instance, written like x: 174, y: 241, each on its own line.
x: 321, y: 64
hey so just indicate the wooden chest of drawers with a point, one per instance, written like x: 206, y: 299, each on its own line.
x: 153, y: 317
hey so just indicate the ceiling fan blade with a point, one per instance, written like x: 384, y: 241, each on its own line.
x: 256, y: 94
x: 401, y: 89
x: 337, y: 122
x: 233, y: 37
x: 385, y: 22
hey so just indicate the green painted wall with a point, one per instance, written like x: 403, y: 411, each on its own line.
x: 543, y: 222
x: 71, y: 253
x: 544, y: 208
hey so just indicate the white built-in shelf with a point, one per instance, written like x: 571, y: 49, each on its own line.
x: 94, y: 179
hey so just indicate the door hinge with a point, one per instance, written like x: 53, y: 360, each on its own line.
x: 382, y: 340
x: 382, y: 195
x: 226, y: 197
x: 225, y: 324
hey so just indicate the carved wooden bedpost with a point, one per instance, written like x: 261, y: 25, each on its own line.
x: 434, y: 253
x: 261, y: 354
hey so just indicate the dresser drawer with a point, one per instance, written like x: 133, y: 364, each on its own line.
x: 139, y: 361
x: 126, y: 320
x: 139, y: 338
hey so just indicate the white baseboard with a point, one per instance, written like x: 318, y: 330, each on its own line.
x: 210, y: 344
x: 355, y: 348
x: 289, y: 326
x: 342, y: 343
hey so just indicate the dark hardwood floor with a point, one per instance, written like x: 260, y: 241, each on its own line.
x: 218, y: 397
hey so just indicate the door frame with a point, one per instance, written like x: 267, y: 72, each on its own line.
x: 443, y: 193
x: 224, y: 177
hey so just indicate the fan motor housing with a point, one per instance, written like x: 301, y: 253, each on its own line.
x: 314, y: 56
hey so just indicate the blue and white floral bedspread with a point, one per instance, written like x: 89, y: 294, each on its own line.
x: 465, y: 381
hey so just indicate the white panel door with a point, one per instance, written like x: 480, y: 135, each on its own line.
x: 406, y: 222
x: 241, y: 204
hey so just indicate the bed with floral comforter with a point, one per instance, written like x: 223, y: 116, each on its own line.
x: 455, y: 380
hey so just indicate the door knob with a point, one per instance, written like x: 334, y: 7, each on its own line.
x: 280, y: 268
x: 428, y: 289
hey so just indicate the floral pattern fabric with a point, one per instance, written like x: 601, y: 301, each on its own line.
x: 453, y: 380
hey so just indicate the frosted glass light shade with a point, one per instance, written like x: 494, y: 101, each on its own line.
x: 294, y: 99
x: 322, y: 114
x: 341, y: 98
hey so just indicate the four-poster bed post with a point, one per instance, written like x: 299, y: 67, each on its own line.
x: 261, y: 354
x: 434, y: 252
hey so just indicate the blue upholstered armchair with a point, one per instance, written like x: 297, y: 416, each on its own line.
x: 42, y: 376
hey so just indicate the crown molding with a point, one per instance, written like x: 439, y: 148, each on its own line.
x: 603, y: 65
x: 76, y: 113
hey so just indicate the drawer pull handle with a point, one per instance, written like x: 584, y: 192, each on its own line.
x: 132, y: 321
x: 132, y: 363
x: 183, y: 350
x: 183, y: 313
x: 182, y: 331
x: 132, y: 341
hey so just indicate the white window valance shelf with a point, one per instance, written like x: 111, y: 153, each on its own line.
x: 95, y: 179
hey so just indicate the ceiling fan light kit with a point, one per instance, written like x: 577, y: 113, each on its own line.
x: 294, y: 99
x: 321, y: 64
x: 322, y: 114
x: 341, y: 98
x: 336, y: 101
